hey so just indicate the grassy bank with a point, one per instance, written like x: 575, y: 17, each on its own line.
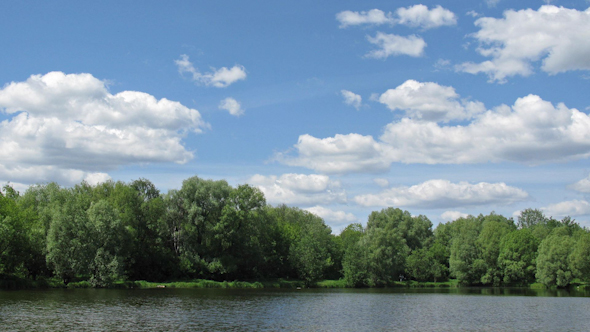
x: 13, y: 283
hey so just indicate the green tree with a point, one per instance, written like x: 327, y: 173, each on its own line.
x: 191, y: 214
x: 494, y: 228
x: 354, y: 264
x: 517, y: 258
x: 13, y: 239
x: 310, y: 253
x: 580, y: 257
x: 465, y: 262
x: 108, y: 244
x: 68, y: 252
x: 553, y: 268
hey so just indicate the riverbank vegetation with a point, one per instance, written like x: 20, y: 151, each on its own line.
x: 210, y: 234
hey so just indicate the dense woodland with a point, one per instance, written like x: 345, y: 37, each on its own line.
x: 210, y: 230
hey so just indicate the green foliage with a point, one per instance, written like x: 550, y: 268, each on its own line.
x: 354, y: 264
x: 518, y: 253
x: 310, y: 254
x: 494, y: 228
x: 108, y: 234
x: 465, y: 262
x: 553, y: 268
x: 579, y: 259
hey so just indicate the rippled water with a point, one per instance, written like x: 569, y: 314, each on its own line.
x: 291, y: 310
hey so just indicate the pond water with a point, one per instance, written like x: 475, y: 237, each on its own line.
x: 294, y: 310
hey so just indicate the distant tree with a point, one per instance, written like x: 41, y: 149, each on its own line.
x: 580, y: 257
x: 465, y: 262
x: 553, y: 268
x: 529, y: 218
x: 108, y: 241
x: 518, y: 253
x: 355, y: 264
x: 310, y: 254
x: 494, y: 228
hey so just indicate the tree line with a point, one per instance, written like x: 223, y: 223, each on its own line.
x: 210, y: 230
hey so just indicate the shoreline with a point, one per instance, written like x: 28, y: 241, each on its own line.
x: 53, y: 283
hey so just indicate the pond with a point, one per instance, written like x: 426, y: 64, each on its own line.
x: 294, y: 310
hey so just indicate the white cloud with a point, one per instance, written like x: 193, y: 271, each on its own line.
x: 532, y: 131
x: 422, y: 17
x: 582, y: 186
x: 299, y: 189
x: 352, y: 99
x: 373, y: 16
x: 572, y: 208
x: 436, y: 194
x: 390, y: 44
x: 219, y: 78
x: 429, y: 101
x: 338, y: 154
x: 333, y: 218
x: 473, y: 13
x: 453, y: 215
x: 558, y: 36
x: 232, y: 106
x: 381, y: 182
x: 417, y: 16
x: 69, y: 128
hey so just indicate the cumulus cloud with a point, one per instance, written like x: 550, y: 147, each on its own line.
x: 373, y: 16
x: 574, y: 208
x: 558, y: 36
x: 582, y: 186
x: 232, y: 106
x: 417, y: 16
x: 352, y: 99
x: 532, y: 131
x: 430, y: 101
x: 333, y: 218
x: 299, y: 189
x: 390, y: 44
x: 453, y: 215
x: 219, y: 78
x: 436, y: 194
x: 338, y: 154
x: 70, y: 128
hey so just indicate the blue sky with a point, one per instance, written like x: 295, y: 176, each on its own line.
x: 441, y: 108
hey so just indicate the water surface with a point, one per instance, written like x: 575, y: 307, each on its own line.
x: 292, y: 310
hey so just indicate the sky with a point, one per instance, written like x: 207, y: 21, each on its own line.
x: 441, y: 108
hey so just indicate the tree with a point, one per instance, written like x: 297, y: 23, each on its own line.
x: 354, y: 264
x: 191, y: 213
x: 580, y: 257
x: 239, y: 234
x: 518, y: 253
x: 553, y: 268
x: 68, y: 252
x: 108, y: 243
x: 465, y: 262
x: 13, y: 240
x: 310, y: 254
x: 494, y: 228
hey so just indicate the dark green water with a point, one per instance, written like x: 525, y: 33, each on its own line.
x: 292, y: 310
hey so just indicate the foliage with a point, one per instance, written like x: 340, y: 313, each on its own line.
x: 553, y: 268
x: 518, y: 253
x: 113, y: 233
